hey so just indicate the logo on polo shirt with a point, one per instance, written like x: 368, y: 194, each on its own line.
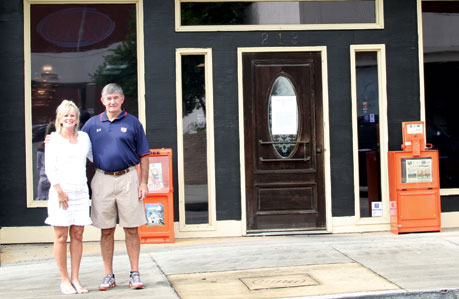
x: 98, y: 129
x: 123, y: 129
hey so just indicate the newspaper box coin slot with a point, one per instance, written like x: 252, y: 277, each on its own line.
x: 158, y: 205
x: 414, y: 183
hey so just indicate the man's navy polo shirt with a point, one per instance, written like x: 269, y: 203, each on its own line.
x: 116, y: 145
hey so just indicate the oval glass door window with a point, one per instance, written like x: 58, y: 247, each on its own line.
x: 283, y: 117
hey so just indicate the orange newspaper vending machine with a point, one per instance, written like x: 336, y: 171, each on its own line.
x: 414, y: 183
x: 159, y: 203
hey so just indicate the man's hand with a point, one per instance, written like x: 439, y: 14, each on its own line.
x: 47, y: 139
x: 143, y: 191
x: 144, y: 170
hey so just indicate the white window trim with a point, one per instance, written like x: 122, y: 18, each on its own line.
x: 443, y: 191
x: 211, y: 225
x: 378, y: 24
x: 380, y: 49
x: 31, y: 203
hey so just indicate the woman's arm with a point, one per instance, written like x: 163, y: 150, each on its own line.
x: 51, y: 169
x: 62, y: 196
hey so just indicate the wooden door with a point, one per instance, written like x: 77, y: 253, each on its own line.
x: 283, y: 127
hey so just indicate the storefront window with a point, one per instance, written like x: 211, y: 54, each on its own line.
x: 441, y: 72
x: 75, y: 50
x: 370, y: 140
x: 368, y: 131
x: 287, y: 12
x: 195, y: 140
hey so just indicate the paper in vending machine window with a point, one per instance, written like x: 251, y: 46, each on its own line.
x: 417, y: 170
x: 415, y: 129
x: 155, y: 181
x: 158, y: 178
x: 154, y: 212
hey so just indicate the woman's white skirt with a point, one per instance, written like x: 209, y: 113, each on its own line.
x: 77, y: 212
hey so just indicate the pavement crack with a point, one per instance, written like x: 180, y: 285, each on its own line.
x: 452, y: 242
x: 164, y: 275
x: 369, y: 269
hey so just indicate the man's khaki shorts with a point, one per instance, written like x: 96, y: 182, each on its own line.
x: 114, y: 196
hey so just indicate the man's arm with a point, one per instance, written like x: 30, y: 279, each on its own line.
x: 144, y: 168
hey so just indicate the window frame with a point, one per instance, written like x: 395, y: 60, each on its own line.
x: 443, y: 191
x: 379, y: 22
x: 380, y: 49
x: 31, y: 203
x: 212, y: 219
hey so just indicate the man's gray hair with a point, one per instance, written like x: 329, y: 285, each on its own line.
x: 112, y: 88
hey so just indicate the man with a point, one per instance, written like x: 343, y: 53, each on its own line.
x: 118, y: 144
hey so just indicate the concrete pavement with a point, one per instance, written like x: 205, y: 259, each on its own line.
x: 369, y: 265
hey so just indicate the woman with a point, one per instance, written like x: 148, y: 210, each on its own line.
x: 68, y: 204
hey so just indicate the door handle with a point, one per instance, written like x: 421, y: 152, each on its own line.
x: 283, y: 142
x: 318, y: 149
x: 305, y: 159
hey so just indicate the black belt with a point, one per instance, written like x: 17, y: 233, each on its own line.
x: 117, y: 173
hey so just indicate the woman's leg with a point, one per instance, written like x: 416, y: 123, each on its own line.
x: 76, y: 251
x: 60, y: 252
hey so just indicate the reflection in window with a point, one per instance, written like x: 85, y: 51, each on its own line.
x: 75, y: 51
x: 283, y: 117
x: 441, y: 72
x: 194, y: 139
x: 280, y: 12
x: 368, y: 131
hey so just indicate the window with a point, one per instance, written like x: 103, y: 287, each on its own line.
x: 195, y: 140
x: 278, y: 15
x: 370, y: 129
x: 441, y: 72
x: 71, y: 51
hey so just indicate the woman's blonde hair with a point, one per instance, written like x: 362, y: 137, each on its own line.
x: 65, y: 107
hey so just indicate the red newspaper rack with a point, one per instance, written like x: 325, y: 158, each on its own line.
x: 159, y: 204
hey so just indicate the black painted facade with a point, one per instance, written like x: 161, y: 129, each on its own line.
x: 400, y: 35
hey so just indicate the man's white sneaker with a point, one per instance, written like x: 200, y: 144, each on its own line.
x: 134, y: 281
x: 108, y: 282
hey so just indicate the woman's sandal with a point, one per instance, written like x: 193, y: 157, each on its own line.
x: 79, y: 289
x: 67, y: 289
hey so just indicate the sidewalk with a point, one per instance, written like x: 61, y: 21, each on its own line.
x: 370, y: 265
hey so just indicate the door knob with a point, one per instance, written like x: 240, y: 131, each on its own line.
x: 319, y: 149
